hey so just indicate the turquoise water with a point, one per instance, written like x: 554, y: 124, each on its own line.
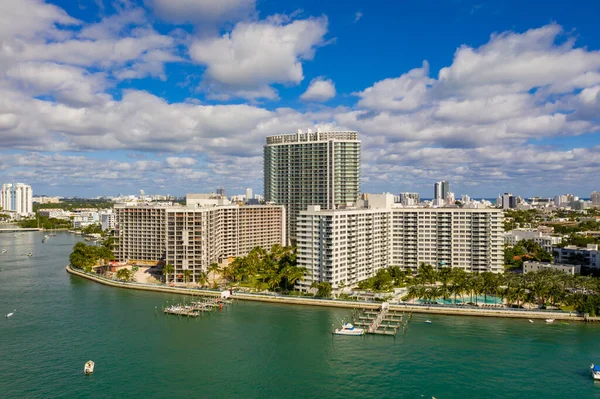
x: 255, y: 350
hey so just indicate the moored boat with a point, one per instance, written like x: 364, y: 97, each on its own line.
x: 549, y: 321
x: 88, y: 368
x: 595, y: 372
x: 349, y: 329
x: 531, y: 321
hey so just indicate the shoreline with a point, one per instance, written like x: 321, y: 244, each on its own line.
x: 335, y: 303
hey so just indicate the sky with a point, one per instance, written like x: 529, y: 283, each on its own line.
x: 106, y: 97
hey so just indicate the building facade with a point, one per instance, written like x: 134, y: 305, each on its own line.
x: 350, y: 245
x: 191, y: 238
x: 530, y: 266
x: 595, y: 199
x: 313, y: 168
x: 17, y: 198
x: 409, y: 199
x: 547, y: 242
x: 108, y: 220
x: 573, y: 255
x: 441, y: 190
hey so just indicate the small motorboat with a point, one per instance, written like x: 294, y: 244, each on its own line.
x: 11, y: 313
x: 595, y: 372
x: 428, y: 321
x: 3, y: 250
x: 30, y: 254
x: 45, y: 238
x: 531, y: 321
x: 349, y: 329
x: 549, y: 321
x: 88, y: 368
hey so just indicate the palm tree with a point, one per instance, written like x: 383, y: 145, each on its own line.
x: 124, y: 274
x: 202, y: 279
x: 213, y: 268
x: 167, y: 269
x: 186, y: 275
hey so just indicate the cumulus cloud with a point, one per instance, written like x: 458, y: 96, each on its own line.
x: 319, y: 90
x: 477, y: 122
x: 202, y: 11
x: 254, y: 55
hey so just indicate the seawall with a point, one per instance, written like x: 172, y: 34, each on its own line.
x: 482, y: 312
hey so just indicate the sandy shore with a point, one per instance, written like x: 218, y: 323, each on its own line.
x: 481, y: 312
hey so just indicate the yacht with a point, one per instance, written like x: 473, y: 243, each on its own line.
x: 349, y: 329
x: 595, y: 372
x: 88, y: 368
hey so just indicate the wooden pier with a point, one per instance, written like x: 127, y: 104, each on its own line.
x: 383, y: 322
x: 196, y: 308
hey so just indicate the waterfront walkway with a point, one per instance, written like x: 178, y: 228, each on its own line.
x: 16, y: 230
x: 286, y: 299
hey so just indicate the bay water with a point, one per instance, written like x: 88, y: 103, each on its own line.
x: 256, y: 350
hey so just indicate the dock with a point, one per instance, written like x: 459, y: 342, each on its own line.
x: 196, y: 308
x: 382, y: 322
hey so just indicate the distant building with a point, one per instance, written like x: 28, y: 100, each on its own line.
x: 572, y: 255
x: 441, y: 190
x: 312, y: 168
x: 108, y: 220
x: 595, y: 199
x: 55, y: 213
x: 508, y: 201
x: 221, y: 191
x: 17, y: 198
x: 547, y: 242
x: 249, y: 194
x: 531, y: 266
x: 46, y: 200
x: 409, y: 199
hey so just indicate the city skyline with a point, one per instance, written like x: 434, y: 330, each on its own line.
x: 107, y: 97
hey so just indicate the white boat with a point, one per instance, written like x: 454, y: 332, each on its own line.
x: 595, y: 372
x: 349, y: 329
x: 428, y: 321
x: 30, y: 254
x: 549, y: 321
x: 3, y: 251
x: 45, y: 238
x: 531, y: 321
x: 88, y: 368
x: 11, y: 313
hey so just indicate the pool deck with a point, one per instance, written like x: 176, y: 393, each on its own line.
x: 428, y: 309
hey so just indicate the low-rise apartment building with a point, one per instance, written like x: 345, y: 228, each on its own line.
x: 546, y: 241
x: 573, y: 255
x: 531, y: 266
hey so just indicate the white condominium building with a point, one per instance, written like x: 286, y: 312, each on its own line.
x: 312, y: 168
x: 343, y: 245
x: 544, y: 240
x: 191, y: 238
x: 17, y: 198
x: 350, y: 245
x: 470, y: 239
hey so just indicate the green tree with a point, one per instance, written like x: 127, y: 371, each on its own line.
x: 124, y: 274
x: 323, y: 289
x: 214, y: 268
x: 167, y: 270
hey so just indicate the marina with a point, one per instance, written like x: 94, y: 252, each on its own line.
x: 197, y: 308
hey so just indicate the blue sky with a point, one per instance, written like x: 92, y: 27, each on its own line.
x: 173, y: 96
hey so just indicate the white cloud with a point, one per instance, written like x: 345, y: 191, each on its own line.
x: 177, y: 162
x: 405, y: 93
x: 202, y: 11
x: 357, y: 16
x: 319, y: 90
x: 254, y: 55
x: 30, y: 18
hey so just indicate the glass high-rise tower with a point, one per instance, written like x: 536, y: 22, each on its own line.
x: 312, y: 168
